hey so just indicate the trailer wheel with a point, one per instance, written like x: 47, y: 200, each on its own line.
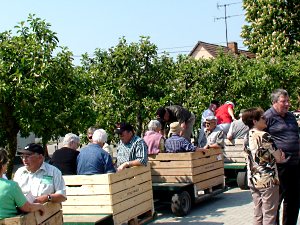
x: 181, y: 203
x: 242, y: 180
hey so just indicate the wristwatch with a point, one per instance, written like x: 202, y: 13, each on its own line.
x: 49, y: 198
x: 128, y: 164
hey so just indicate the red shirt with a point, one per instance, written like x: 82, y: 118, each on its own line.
x: 222, y: 114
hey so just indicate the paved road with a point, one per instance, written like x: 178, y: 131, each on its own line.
x: 233, y: 207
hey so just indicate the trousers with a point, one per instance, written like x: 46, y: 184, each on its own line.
x: 265, y: 205
x: 289, y: 193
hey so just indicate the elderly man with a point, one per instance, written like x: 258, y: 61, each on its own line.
x: 132, y: 150
x: 282, y: 125
x: 106, y: 147
x: 214, y: 135
x: 65, y: 158
x: 210, y: 111
x: 177, y: 143
x: 176, y: 113
x: 39, y: 181
x: 92, y: 159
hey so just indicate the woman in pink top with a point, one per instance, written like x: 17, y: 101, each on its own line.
x: 153, y: 138
x: 225, y: 116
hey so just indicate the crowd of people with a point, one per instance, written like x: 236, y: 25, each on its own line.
x: 271, y: 145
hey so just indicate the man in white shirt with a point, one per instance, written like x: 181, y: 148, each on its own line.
x: 39, y: 181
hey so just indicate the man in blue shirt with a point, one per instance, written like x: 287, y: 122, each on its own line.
x: 282, y: 125
x: 92, y: 159
x: 177, y: 143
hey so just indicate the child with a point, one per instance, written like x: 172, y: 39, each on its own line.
x: 261, y: 165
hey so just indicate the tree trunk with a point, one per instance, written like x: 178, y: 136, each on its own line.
x: 139, y: 122
x: 11, y: 129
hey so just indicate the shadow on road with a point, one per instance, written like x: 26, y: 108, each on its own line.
x: 205, y: 212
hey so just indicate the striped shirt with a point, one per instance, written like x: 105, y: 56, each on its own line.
x: 136, y: 149
x: 176, y: 143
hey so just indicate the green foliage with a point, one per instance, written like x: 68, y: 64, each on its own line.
x: 129, y: 82
x: 39, y: 92
x: 273, y: 27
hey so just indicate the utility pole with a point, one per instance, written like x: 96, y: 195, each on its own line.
x: 226, y: 17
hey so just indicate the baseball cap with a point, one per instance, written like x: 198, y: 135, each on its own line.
x: 35, y: 148
x: 122, y: 127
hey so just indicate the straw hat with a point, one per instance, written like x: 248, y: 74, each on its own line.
x: 175, y: 128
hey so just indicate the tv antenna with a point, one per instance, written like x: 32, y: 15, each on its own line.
x: 225, y: 17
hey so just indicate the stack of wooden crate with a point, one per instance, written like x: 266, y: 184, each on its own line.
x: 204, y: 170
x: 125, y: 195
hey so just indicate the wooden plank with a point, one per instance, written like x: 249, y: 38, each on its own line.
x: 87, y: 209
x: 50, y: 209
x: 108, y: 199
x: 56, y: 219
x: 185, y: 164
x: 129, y: 173
x: 187, y: 156
x: 95, y: 189
x: 210, y: 183
x: 88, y: 200
x: 128, y: 183
x: 234, y: 154
x: 172, y: 179
x: 132, y: 192
x: 86, y: 179
x: 93, y: 219
x: 172, y: 171
x: 208, y: 167
x: 208, y: 175
x: 133, y: 212
x: 234, y: 142
x: 88, y: 189
x: 235, y: 148
x: 105, y: 178
x: 136, y: 206
x: 186, y: 171
x: 129, y: 203
x: 187, y: 179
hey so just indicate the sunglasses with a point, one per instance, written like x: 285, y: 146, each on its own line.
x: 209, y: 123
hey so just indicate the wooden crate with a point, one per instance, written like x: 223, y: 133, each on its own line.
x: 52, y: 213
x: 125, y: 195
x: 204, y: 170
x: 234, y: 151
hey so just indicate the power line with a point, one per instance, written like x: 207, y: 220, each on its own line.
x: 161, y: 50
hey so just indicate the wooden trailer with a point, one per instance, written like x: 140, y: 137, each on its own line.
x: 122, y: 197
x: 52, y: 215
x: 235, y: 162
x: 187, y: 178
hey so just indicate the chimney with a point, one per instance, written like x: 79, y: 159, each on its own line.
x: 233, y: 47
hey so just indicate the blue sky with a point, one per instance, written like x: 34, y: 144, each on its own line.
x: 174, y: 26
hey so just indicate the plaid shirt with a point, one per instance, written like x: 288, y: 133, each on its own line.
x: 176, y: 143
x: 136, y: 149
